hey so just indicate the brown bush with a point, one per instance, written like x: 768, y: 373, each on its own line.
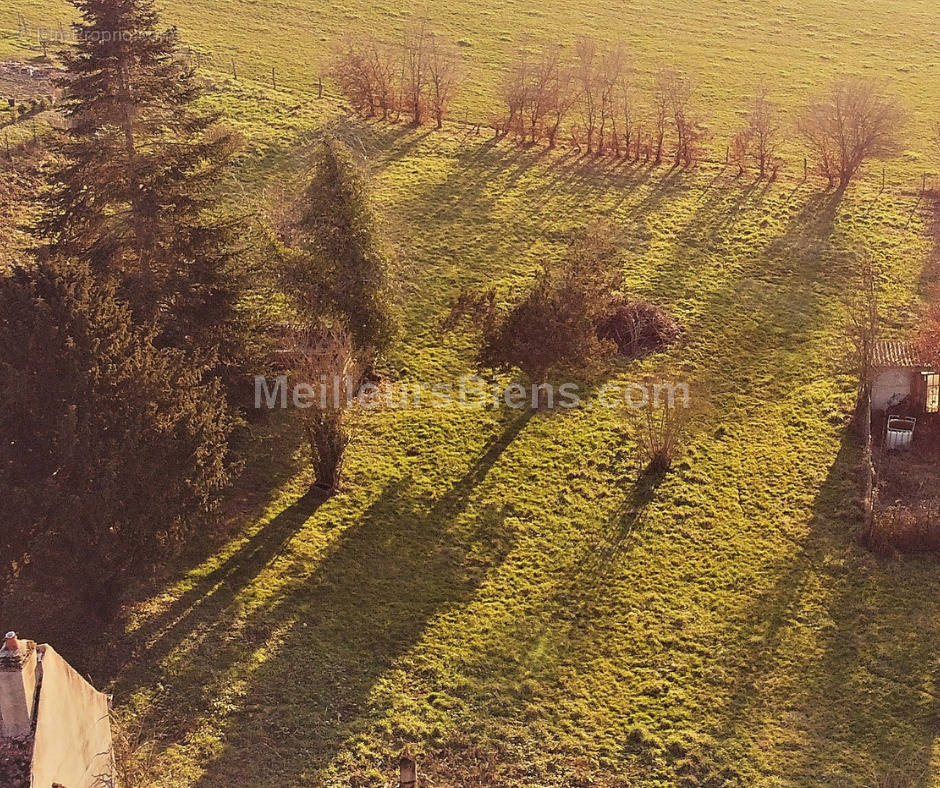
x: 639, y: 328
x: 912, y: 528
x: 555, y: 325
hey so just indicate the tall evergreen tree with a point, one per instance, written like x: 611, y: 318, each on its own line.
x: 112, y: 449
x: 343, y: 269
x: 135, y: 192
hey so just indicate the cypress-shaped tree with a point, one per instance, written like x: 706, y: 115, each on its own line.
x: 140, y: 167
x: 343, y: 268
x: 112, y: 449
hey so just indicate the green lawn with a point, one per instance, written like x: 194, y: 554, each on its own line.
x: 506, y: 592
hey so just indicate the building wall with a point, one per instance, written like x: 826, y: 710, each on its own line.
x: 893, y: 383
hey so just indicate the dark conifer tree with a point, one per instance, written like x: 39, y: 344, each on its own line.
x: 135, y: 193
x: 344, y: 269
x: 112, y: 449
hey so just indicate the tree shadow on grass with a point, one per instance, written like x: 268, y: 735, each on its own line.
x: 846, y: 688
x: 214, y: 591
x: 280, y: 660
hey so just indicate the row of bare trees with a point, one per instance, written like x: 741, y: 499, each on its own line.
x: 417, y: 77
x: 594, y: 97
x: 591, y: 94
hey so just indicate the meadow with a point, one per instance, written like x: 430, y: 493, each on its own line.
x: 506, y: 592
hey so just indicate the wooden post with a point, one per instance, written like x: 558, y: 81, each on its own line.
x: 408, y: 771
x: 319, y: 87
x: 234, y: 71
x: 273, y: 79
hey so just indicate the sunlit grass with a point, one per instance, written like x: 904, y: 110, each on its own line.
x: 510, y: 594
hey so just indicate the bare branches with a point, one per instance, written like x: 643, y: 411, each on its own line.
x: 419, y: 76
x: 765, y: 131
x: 443, y: 69
x: 854, y: 122
x: 759, y: 139
x: 415, y: 69
x: 326, y: 377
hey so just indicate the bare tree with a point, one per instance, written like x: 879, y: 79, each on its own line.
x: 384, y: 72
x: 541, y: 90
x: 415, y: 69
x: 612, y: 67
x: 352, y: 71
x: 326, y: 377
x: 854, y: 122
x: 660, y: 116
x: 443, y: 69
x: 764, y: 131
x: 590, y: 102
x: 662, y: 427
x: 516, y: 95
x: 740, y: 151
x: 626, y: 108
x: 561, y: 96
x: 678, y: 91
x: 864, y: 320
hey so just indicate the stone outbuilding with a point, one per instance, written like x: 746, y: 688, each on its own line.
x: 902, y: 382
x: 55, y: 728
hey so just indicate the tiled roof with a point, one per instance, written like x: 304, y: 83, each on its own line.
x: 896, y: 354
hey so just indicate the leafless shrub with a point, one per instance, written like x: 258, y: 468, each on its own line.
x: 135, y: 749
x: 661, y: 429
x: 854, y: 122
x: 639, y: 328
x: 443, y: 68
x: 327, y: 373
x: 906, y: 528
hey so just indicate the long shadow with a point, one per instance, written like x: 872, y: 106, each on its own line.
x: 365, y: 608
x: 863, y: 695
x: 340, y: 622
x: 217, y: 589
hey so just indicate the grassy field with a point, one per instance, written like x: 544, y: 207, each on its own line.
x: 505, y: 592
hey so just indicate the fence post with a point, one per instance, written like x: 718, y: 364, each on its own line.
x: 273, y: 79
x: 234, y: 70
x: 408, y: 771
x: 320, y: 87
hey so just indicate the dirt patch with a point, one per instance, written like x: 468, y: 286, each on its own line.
x: 22, y: 81
x: 906, y: 516
x: 15, y: 756
x: 639, y: 328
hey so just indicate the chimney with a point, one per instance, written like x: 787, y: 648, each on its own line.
x: 17, y: 686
